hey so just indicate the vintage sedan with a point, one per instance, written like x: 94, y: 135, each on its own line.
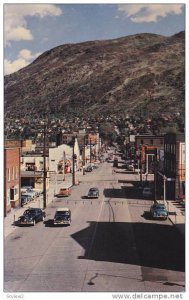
x: 93, y: 193
x: 147, y: 192
x: 31, y: 216
x: 25, y: 199
x: 159, y: 211
x: 62, y: 216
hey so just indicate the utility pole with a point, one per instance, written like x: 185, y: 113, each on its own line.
x: 44, y: 167
x: 64, y: 158
x: 141, y: 165
x: 155, y: 176
x: 84, y: 156
x: 90, y: 150
x: 73, y: 164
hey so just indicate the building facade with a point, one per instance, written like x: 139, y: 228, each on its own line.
x: 11, y: 178
x: 174, y: 164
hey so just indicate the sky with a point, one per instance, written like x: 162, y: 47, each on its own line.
x: 31, y: 29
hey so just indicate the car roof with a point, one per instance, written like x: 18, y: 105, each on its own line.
x: 63, y: 209
x: 32, y: 208
x: 65, y: 187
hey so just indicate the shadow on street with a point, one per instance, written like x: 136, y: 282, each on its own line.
x: 158, y: 245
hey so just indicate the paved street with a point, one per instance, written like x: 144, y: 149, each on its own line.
x: 110, y: 246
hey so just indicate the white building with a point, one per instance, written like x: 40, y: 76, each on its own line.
x: 33, y: 162
x: 62, y: 156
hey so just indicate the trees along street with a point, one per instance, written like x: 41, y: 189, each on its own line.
x: 109, y: 245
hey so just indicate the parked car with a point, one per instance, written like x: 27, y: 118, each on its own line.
x: 88, y: 169
x: 93, y: 193
x: 64, y: 192
x: 131, y: 167
x: 30, y: 193
x: 159, y: 210
x: 62, y: 216
x: 147, y: 192
x: 25, y: 199
x: 31, y: 216
x: 25, y: 188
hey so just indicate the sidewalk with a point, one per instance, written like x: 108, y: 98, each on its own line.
x: 177, y: 216
x: 15, y: 213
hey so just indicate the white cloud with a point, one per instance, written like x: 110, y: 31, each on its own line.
x: 15, y: 23
x: 24, y: 58
x: 140, y: 13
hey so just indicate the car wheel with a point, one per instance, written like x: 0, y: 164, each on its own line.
x: 34, y: 222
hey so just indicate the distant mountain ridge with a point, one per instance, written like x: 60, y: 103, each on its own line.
x: 119, y: 76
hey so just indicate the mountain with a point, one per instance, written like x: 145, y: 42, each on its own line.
x: 120, y: 76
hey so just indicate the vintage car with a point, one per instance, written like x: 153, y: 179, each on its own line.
x: 159, y: 211
x: 88, y: 169
x: 93, y: 193
x: 64, y: 192
x: 147, y: 192
x: 31, y: 216
x: 25, y: 199
x: 30, y: 193
x: 62, y: 216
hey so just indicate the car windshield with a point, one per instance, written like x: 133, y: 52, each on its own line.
x: 160, y: 206
x: 30, y: 212
x: 62, y: 213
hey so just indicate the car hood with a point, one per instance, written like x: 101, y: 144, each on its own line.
x: 160, y: 211
x: 27, y: 217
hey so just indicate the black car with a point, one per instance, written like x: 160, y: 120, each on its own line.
x: 88, y: 169
x: 62, y: 216
x: 31, y: 216
x: 93, y: 193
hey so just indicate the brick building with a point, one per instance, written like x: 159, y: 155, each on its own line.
x: 174, y: 164
x: 11, y: 176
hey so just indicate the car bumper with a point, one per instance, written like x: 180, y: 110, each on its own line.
x: 61, y: 222
x: 160, y: 216
x: 25, y: 222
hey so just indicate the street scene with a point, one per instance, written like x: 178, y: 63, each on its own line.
x: 112, y: 244
x: 94, y: 150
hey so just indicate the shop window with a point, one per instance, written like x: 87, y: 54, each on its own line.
x: 12, y: 194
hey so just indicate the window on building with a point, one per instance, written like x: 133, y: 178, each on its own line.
x: 142, y: 142
x: 8, y: 174
x: 11, y: 193
x: 12, y: 173
x: 16, y: 173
